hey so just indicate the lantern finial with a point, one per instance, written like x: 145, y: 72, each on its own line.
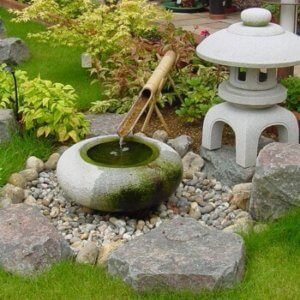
x: 256, y: 17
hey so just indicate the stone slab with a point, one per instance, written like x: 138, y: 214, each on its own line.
x: 221, y: 164
x: 276, y: 182
x: 181, y: 254
x: 104, y: 124
x: 7, y: 124
x: 28, y: 241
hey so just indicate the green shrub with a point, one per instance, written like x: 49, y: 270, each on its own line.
x: 195, y: 86
x: 293, y: 93
x: 45, y: 107
x: 122, y: 38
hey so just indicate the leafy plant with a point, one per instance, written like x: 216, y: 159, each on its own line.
x: 123, y: 39
x: 195, y: 88
x: 293, y: 93
x: 47, y: 108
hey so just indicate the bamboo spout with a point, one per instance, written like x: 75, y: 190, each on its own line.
x: 148, y: 94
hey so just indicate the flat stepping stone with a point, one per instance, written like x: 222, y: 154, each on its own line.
x: 28, y: 241
x: 103, y: 124
x: 181, y: 254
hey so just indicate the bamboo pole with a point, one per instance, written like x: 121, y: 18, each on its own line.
x: 149, y: 94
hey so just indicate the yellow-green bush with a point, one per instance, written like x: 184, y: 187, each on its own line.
x: 45, y: 107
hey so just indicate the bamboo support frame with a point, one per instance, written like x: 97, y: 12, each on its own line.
x: 148, y: 97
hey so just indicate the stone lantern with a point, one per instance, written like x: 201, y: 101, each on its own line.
x: 253, y: 49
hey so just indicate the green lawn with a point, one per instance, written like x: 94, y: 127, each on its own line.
x: 273, y: 272
x: 59, y: 64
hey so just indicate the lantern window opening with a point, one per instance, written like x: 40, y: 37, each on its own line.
x: 242, y: 74
x: 262, y: 75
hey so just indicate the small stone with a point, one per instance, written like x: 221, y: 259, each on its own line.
x: 84, y: 236
x: 62, y: 149
x: 209, y: 195
x: 153, y: 220
x: 17, y: 179
x: 207, y: 209
x: 54, y: 212
x: 192, y: 162
x: 195, y: 211
x: 46, y: 202
x: 88, y: 254
x: 14, y: 193
x: 29, y: 174
x: 161, y: 135
x: 52, y: 161
x: 30, y: 200
x: 218, y: 187
x: 241, y: 195
x: 181, y: 144
x: 242, y: 225
x: 105, y: 250
x: 140, y: 225
x: 35, y: 163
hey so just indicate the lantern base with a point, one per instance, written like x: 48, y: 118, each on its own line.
x: 247, y: 124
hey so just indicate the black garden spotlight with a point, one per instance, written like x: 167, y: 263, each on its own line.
x: 16, y: 102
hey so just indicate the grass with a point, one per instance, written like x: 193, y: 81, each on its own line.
x: 273, y: 272
x: 59, y: 64
x: 14, y: 153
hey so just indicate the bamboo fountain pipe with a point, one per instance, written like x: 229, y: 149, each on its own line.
x: 148, y: 93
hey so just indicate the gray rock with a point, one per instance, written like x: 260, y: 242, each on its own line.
x: 35, y: 163
x: 192, y: 162
x: 103, y: 124
x: 17, y: 179
x: 28, y: 241
x: 30, y: 200
x: 241, y: 195
x: 161, y: 135
x: 13, y: 51
x: 207, y: 209
x: 221, y: 164
x: 14, y: 193
x: 88, y: 254
x: 195, y: 212
x: 276, y: 183
x: 29, y: 174
x: 8, y: 124
x: 180, y: 255
x: 2, y: 30
x: 181, y: 144
x: 52, y: 161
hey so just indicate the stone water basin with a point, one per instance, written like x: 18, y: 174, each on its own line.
x: 97, y: 174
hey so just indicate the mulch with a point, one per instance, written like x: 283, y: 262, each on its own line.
x: 178, y: 127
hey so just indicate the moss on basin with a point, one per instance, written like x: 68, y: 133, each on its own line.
x: 155, y: 183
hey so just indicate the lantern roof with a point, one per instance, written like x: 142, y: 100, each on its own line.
x: 252, y: 43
